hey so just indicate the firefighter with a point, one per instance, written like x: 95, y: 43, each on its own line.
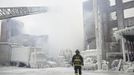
x: 77, y: 62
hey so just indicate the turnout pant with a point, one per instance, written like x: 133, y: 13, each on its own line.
x: 77, y: 69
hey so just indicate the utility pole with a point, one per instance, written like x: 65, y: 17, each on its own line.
x: 98, y: 32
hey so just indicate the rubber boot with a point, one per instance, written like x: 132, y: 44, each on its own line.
x: 76, y: 73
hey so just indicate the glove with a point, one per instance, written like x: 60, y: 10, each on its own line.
x: 72, y: 64
x: 82, y: 64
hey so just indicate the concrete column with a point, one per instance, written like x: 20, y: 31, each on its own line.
x: 120, y: 19
x: 105, y: 18
x: 98, y: 33
x: 4, y: 31
x: 120, y: 13
x: 123, y: 49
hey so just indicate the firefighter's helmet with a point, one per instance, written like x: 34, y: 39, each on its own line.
x: 77, y: 51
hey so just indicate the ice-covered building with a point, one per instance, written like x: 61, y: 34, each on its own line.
x: 116, y: 20
x: 9, y: 28
x: 89, y: 25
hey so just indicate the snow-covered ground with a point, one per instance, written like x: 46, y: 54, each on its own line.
x: 52, y: 71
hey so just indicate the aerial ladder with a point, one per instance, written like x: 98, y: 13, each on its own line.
x: 11, y: 12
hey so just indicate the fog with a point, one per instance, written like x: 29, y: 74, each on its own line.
x: 63, y: 22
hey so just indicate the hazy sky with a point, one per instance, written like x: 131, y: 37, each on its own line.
x: 63, y: 22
